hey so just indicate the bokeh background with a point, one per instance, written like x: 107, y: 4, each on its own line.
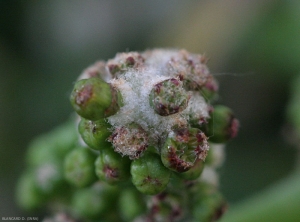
x: 254, y: 52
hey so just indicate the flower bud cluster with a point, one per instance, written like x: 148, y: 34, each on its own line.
x: 146, y: 125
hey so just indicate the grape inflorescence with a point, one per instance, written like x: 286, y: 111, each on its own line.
x: 146, y: 130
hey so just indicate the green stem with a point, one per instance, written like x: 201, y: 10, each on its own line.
x: 279, y: 203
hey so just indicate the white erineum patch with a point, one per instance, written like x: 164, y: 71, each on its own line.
x: 160, y: 58
x: 197, y: 107
x: 135, y: 86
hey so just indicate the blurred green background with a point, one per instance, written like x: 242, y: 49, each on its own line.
x: 254, y: 52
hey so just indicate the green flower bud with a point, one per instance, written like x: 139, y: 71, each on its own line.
x: 40, y: 150
x: 112, y: 167
x: 94, y: 202
x: 53, y: 145
x: 95, y: 99
x: 64, y: 138
x: 168, y: 97
x: 194, y: 172
x: 136, y: 207
x: 95, y: 133
x: 149, y: 175
x: 28, y: 195
x: 166, y: 207
x: 79, y: 167
x: 222, y: 126
x: 130, y: 141
x: 49, y: 178
x: 210, y: 207
x: 183, y: 147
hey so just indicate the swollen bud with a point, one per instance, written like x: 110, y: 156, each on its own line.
x: 149, y: 175
x: 209, y: 207
x: 29, y: 197
x: 112, y: 167
x: 222, y: 126
x: 95, y: 99
x: 79, y: 167
x: 166, y: 206
x: 168, y: 97
x: 183, y: 148
x: 94, y: 202
x: 95, y: 133
x: 136, y: 207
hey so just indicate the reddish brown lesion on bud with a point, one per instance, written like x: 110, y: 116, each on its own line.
x: 130, y: 61
x: 110, y: 172
x: 113, y: 68
x: 84, y: 95
x: 157, y: 88
x: 176, y: 163
x: 182, y: 135
x: 150, y: 180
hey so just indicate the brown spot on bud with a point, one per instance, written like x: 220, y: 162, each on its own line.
x: 176, y: 163
x: 130, y: 61
x: 113, y: 68
x: 182, y: 135
x: 84, y: 95
x: 110, y: 172
x: 151, y: 180
x: 175, y: 82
